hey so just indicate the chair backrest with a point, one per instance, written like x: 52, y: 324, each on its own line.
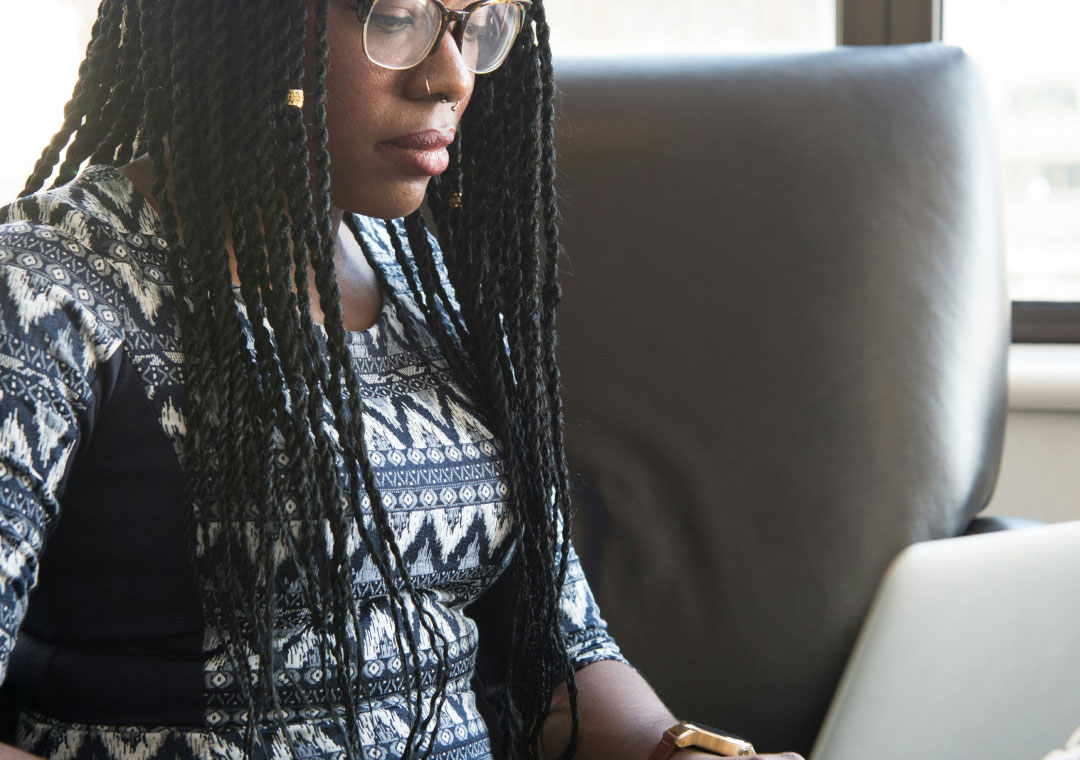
x: 784, y: 343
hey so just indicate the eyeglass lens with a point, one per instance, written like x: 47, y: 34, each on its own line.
x: 399, y: 34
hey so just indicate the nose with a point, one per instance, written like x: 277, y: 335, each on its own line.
x: 443, y: 74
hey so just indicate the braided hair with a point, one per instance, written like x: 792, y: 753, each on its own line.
x: 200, y: 86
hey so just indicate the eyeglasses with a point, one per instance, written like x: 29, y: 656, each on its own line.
x: 399, y: 34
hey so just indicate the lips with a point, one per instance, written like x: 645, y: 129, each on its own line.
x: 422, y: 152
x: 425, y: 139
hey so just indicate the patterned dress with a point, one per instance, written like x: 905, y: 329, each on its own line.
x: 105, y: 646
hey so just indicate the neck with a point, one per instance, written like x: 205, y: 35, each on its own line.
x: 336, y: 215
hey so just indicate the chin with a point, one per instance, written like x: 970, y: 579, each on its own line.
x: 392, y: 202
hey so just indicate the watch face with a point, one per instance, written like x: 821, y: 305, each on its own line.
x: 711, y: 730
x: 712, y: 740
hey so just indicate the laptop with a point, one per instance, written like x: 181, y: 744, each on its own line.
x: 970, y: 650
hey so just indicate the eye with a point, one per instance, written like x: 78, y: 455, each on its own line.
x: 472, y: 31
x: 391, y: 20
x: 482, y: 24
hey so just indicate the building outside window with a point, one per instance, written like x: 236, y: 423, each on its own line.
x: 1030, y: 61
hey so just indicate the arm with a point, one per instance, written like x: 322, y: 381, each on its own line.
x: 621, y: 718
x: 620, y: 715
x: 8, y: 752
x: 50, y: 350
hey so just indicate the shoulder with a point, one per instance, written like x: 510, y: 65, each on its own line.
x: 94, y: 244
x: 100, y: 204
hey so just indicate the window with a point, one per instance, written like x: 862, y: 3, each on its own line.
x: 596, y: 27
x: 41, y: 46
x: 1026, y: 50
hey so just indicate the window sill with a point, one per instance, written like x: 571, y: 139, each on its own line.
x: 1044, y: 377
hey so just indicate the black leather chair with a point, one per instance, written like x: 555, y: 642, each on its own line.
x: 784, y: 345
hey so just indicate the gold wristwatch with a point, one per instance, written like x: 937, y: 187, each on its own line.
x: 712, y: 740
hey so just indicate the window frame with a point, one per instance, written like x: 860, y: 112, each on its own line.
x: 887, y: 22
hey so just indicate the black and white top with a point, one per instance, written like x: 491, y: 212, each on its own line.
x: 114, y: 656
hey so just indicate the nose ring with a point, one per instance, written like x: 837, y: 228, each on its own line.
x: 442, y: 98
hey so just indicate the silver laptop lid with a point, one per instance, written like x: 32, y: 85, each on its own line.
x: 971, y: 650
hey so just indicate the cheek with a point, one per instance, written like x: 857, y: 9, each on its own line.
x: 349, y: 118
x: 359, y: 93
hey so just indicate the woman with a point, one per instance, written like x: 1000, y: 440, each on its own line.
x: 271, y: 451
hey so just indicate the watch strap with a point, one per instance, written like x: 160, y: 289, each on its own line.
x: 667, y: 746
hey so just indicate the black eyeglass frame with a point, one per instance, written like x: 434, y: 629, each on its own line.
x: 448, y: 17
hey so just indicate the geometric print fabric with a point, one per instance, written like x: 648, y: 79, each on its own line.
x: 84, y: 288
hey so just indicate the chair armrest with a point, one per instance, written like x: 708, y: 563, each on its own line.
x: 994, y: 523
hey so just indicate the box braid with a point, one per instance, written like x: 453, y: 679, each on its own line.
x: 492, y: 250
x: 200, y: 86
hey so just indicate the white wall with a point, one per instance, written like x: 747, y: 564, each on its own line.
x: 1040, y: 474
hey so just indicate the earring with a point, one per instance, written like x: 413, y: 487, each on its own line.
x: 295, y: 98
x: 454, y: 107
x: 427, y: 86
